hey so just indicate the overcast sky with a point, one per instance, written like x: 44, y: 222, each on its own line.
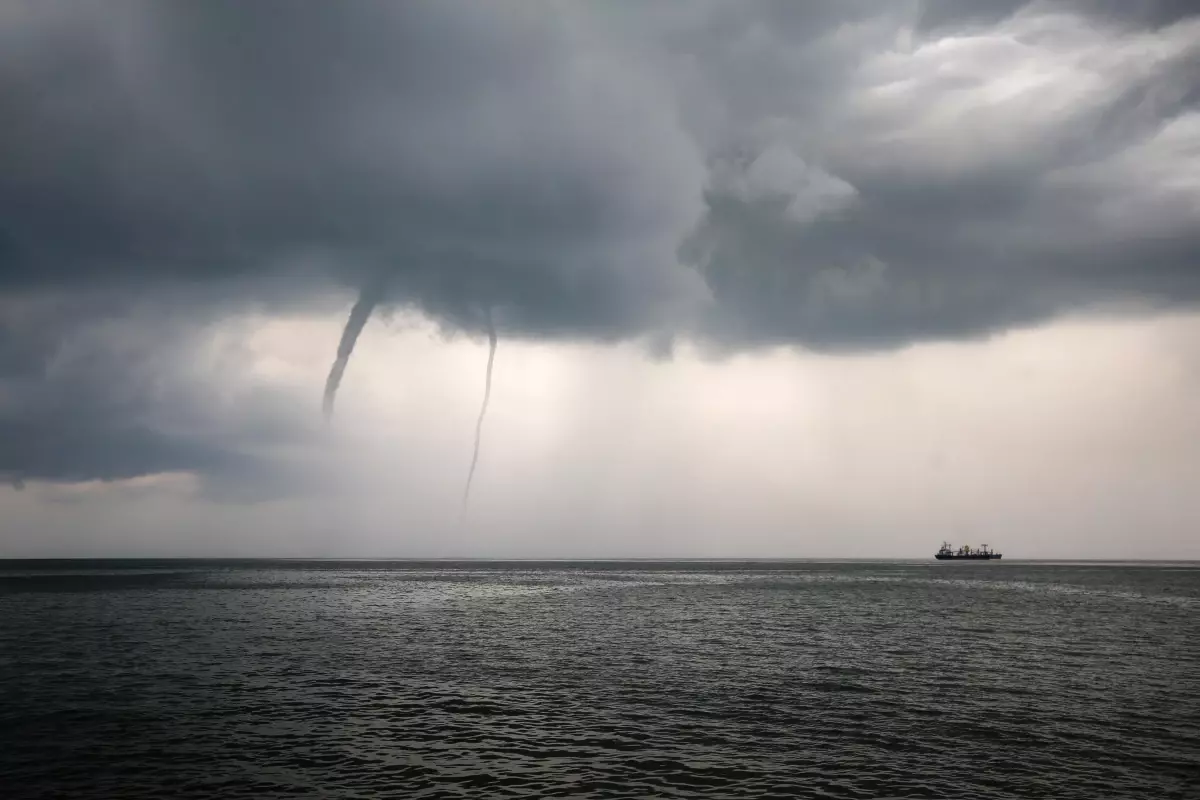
x: 768, y: 278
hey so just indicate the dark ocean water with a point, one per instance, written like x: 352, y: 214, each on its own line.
x: 748, y: 680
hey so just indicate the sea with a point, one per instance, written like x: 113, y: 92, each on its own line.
x: 620, y: 679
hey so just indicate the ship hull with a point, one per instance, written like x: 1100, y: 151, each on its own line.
x: 968, y: 557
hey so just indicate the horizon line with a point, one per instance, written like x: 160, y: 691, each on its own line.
x: 574, y: 559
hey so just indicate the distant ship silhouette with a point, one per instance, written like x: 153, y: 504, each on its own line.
x: 965, y: 553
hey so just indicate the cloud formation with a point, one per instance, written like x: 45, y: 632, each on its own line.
x: 836, y: 175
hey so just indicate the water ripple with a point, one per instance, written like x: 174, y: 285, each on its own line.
x: 588, y: 681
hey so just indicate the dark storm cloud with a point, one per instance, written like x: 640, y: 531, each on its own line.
x: 836, y: 175
x: 955, y: 15
x: 477, y: 151
x: 100, y: 388
x: 1001, y: 163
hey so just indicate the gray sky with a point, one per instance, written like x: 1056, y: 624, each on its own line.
x: 770, y: 278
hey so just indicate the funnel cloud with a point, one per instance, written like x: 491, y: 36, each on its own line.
x: 487, y: 393
x: 368, y: 298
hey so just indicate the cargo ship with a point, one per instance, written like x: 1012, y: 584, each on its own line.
x: 965, y: 553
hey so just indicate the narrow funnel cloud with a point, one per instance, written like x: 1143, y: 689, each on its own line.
x: 487, y: 393
x: 368, y: 298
